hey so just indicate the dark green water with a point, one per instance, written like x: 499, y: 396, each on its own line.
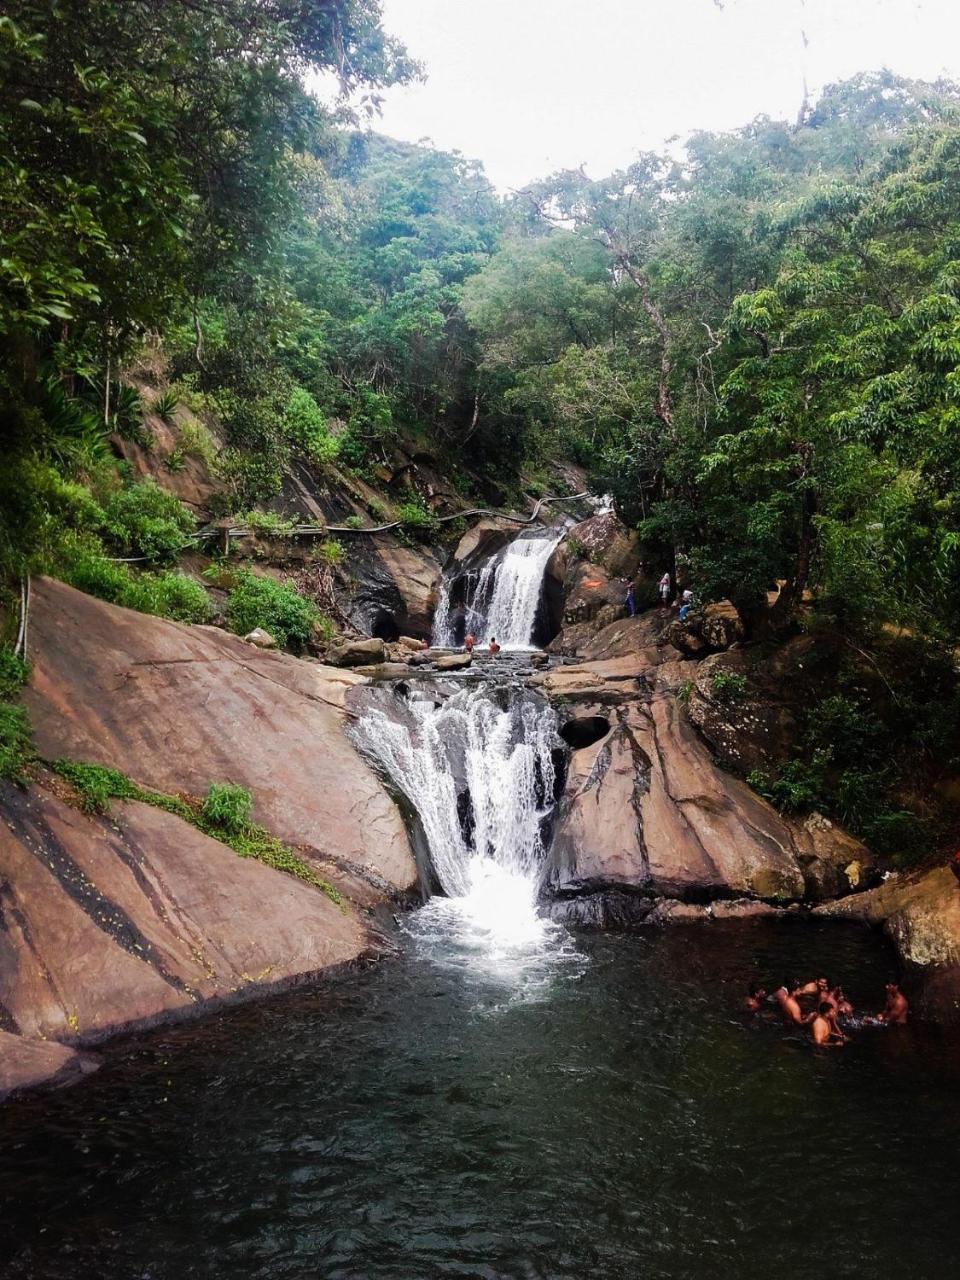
x: 612, y: 1115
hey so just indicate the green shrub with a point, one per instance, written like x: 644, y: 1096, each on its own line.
x: 306, y: 427
x: 415, y: 519
x: 728, y: 686
x: 277, y: 608
x: 227, y: 806
x: 165, y: 404
x: 14, y: 673
x: 267, y: 522
x: 95, y: 784
x: 168, y: 595
x: 15, y: 746
x: 193, y: 439
x: 684, y: 691
x: 331, y: 551
x: 353, y: 522
x: 146, y: 520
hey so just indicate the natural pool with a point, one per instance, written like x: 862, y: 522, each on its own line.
x: 600, y: 1111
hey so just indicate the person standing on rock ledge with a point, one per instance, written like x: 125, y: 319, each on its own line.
x: 664, y: 591
x: 630, y: 601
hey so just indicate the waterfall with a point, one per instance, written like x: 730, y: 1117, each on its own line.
x: 501, y: 598
x: 479, y: 770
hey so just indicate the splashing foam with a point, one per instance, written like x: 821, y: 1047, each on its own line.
x: 481, y: 778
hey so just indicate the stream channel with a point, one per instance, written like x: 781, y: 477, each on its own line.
x: 505, y: 1097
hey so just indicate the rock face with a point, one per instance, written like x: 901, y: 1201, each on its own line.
x: 646, y: 812
x: 28, y: 1064
x: 920, y: 913
x: 178, y: 707
x: 116, y: 923
x: 755, y: 728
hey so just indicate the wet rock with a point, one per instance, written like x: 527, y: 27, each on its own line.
x: 262, y: 639
x: 357, y: 653
x: 920, y: 913
x: 454, y: 661
x: 604, y: 909
x: 26, y: 1063
x: 411, y: 643
x: 742, y: 909
x: 386, y: 671
x: 672, y: 911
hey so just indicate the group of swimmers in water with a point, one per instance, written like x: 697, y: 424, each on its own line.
x: 832, y: 1013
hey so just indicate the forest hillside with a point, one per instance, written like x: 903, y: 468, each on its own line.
x: 753, y: 345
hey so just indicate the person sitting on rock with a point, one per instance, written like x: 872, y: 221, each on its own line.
x: 493, y: 647
x: 790, y: 1009
x: 686, y: 604
x: 823, y: 1027
x: 756, y: 994
x: 896, y: 1009
x: 469, y: 640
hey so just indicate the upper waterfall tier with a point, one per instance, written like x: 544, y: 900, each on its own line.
x: 500, y: 599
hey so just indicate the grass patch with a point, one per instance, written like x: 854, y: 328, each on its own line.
x: 223, y: 814
x: 16, y: 746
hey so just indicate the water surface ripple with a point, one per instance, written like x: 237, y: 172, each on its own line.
x: 617, y: 1118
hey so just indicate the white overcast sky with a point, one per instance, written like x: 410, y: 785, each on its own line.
x: 531, y: 86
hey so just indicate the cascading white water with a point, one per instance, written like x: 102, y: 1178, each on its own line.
x: 501, y: 598
x: 497, y: 762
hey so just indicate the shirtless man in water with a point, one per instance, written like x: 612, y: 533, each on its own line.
x: 756, y: 994
x: 824, y: 1028
x: 789, y: 1008
x: 896, y: 1009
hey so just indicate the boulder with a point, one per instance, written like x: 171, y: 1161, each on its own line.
x: 606, y: 540
x: 358, y: 653
x: 126, y: 921
x: 646, y: 809
x: 262, y: 639
x: 26, y: 1063
x: 920, y: 913
x: 411, y: 643
x: 454, y: 661
x: 178, y: 707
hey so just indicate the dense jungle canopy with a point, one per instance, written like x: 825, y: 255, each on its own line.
x: 754, y: 344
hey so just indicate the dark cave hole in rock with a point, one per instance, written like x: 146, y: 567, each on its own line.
x: 585, y: 731
x: 385, y: 627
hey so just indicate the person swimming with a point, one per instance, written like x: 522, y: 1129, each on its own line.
x: 823, y: 1026
x: 756, y: 994
x: 790, y: 1009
